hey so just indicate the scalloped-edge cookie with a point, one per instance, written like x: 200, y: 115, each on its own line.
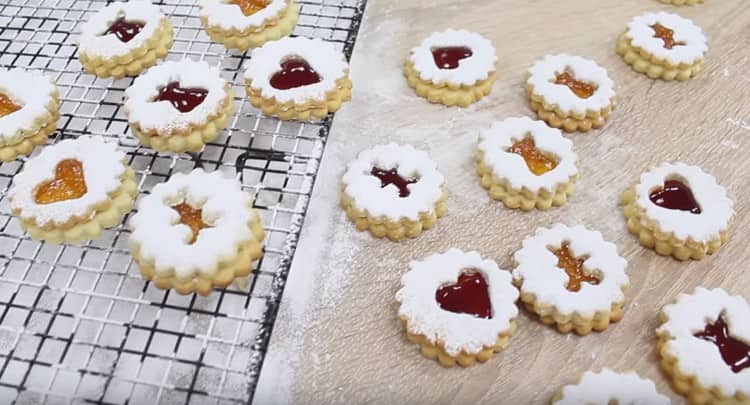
x: 663, y: 46
x: 29, y: 110
x: 195, y: 232
x: 393, y: 191
x: 458, y: 307
x: 570, y: 92
x: 298, y: 79
x: 572, y: 278
x: 72, y: 190
x: 179, y: 106
x: 608, y: 387
x: 679, y: 210
x: 245, y: 24
x: 704, y: 346
x: 526, y: 164
x: 453, y: 68
x: 124, y: 39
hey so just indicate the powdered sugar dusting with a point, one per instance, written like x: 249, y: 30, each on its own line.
x: 229, y: 16
x: 32, y: 91
x: 607, y: 386
x: 470, y: 70
x: 642, y: 36
x: 92, y: 41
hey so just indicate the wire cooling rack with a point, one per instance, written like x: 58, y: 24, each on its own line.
x: 78, y: 323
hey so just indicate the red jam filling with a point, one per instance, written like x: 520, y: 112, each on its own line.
x: 124, y: 30
x: 675, y: 195
x: 448, y: 57
x: 388, y: 177
x: 184, y: 99
x: 294, y: 73
x: 736, y: 354
x: 468, y: 296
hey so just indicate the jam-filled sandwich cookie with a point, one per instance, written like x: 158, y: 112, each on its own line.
x: 526, y: 164
x: 570, y: 92
x: 124, y: 39
x: 29, y: 110
x: 195, y: 232
x: 608, y: 387
x: 179, y: 106
x: 663, y: 46
x: 393, y: 191
x: 679, y: 210
x: 571, y: 277
x: 704, y: 345
x: 458, y: 307
x: 454, y: 68
x: 72, y: 190
x: 243, y: 24
x: 298, y: 79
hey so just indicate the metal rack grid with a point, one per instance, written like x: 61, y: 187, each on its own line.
x: 78, y: 323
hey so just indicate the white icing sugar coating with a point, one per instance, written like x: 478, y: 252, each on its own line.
x: 163, y: 239
x: 470, y: 70
x: 642, y: 36
x: 229, y: 16
x: 161, y: 116
x: 322, y: 56
x: 457, y: 332
x: 537, y: 270
x: 495, y: 142
x: 92, y: 42
x: 607, y: 387
x: 102, y: 170
x: 32, y: 91
x: 688, y: 316
x: 716, y: 208
x: 367, y: 194
x: 543, y: 74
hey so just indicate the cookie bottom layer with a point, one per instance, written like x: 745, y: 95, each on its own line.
x: 566, y: 323
x: 522, y: 199
x: 194, y: 139
x: 643, y: 62
x: 135, y: 61
x: 27, y: 144
x: 682, y: 2
x: 253, y: 39
x: 688, y: 385
x: 228, y: 270
x: 313, y: 109
x: 436, y: 351
x: 568, y: 122
x: 461, y: 96
x: 396, y: 231
x: 120, y: 203
x: 663, y: 243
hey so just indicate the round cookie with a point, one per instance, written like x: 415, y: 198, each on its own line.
x: 244, y: 24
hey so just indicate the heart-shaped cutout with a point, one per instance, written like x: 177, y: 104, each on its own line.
x: 675, y: 195
x: 184, y: 99
x: 7, y: 106
x: 388, y: 177
x: 295, y: 72
x: 249, y: 7
x: 68, y: 184
x: 734, y: 352
x: 192, y: 217
x: 124, y: 30
x: 469, y: 295
x: 448, y: 57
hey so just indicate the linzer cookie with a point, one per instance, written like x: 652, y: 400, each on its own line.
x: 72, y: 190
x: 179, y: 106
x: 458, y: 307
x: 704, y: 345
x: 608, y: 387
x: 454, y: 68
x: 526, y: 164
x: 570, y: 92
x: 393, y: 191
x: 679, y: 210
x: 571, y: 277
x: 29, y: 110
x: 663, y: 46
x: 124, y: 39
x: 195, y: 232
x: 298, y: 79
x: 244, y: 24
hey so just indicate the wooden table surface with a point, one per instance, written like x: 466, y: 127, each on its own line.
x: 337, y: 337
